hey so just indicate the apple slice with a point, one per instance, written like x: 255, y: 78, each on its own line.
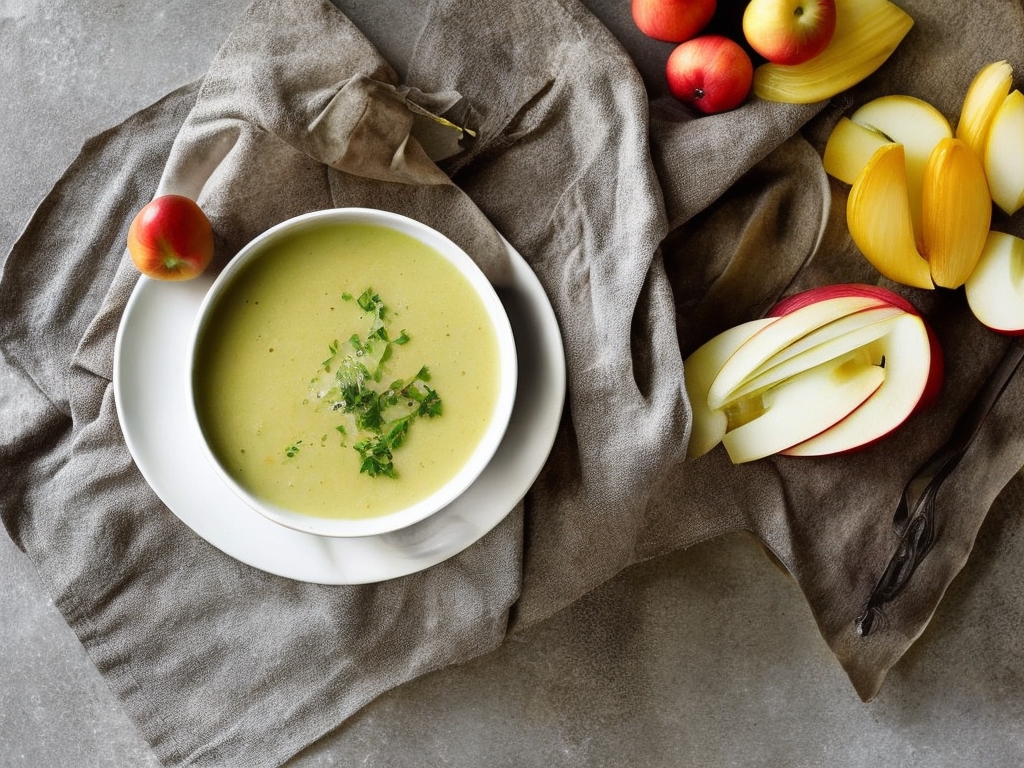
x: 995, y: 289
x: 1004, y: 154
x: 904, y: 354
x: 775, y: 337
x: 700, y: 369
x: 879, y: 218
x: 803, y: 406
x: 885, y: 297
x: 984, y: 96
x: 919, y: 127
x: 849, y: 147
x: 829, y: 342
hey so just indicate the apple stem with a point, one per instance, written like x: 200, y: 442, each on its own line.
x: 698, y: 93
x: 798, y: 11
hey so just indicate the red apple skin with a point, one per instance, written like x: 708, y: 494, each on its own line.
x: 789, y: 31
x: 171, y: 239
x: 672, y: 21
x: 710, y: 73
x: 814, y: 295
x: 937, y: 367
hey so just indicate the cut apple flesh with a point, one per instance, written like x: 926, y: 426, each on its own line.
x: 804, y: 380
x: 904, y: 356
x: 844, y: 325
x: 995, y: 289
x: 803, y: 406
x: 774, y: 338
x: 848, y: 149
x: 833, y: 341
x: 700, y: 368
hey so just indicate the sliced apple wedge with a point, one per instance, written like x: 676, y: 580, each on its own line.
x: 849, y: 147
x: 879, y: 218
x: 995, y: 289
x: 911, y: 121
x: 984, y: 97
x: 803, y: 406
x: 700, y: 370
x: 1004, y: 154
x: 904, y: 354
x: 866, y: 34
x: 775, y: 337
x: 832, y: 341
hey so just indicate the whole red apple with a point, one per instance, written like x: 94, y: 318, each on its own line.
x: 171, y: 238
x: 711, y: 73
x: 672, y: 20
x: 789, y: 31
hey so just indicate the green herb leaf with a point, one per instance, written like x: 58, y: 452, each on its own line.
x: 382, y: 416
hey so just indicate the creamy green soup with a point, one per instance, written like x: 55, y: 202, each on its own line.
x: 324, y: 343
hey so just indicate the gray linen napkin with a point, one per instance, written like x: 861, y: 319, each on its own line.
x: 650, y: 231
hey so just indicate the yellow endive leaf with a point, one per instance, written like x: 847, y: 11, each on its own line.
x: 1004, y: 154
x: 984, y: 96
x: 878, y: 216
x: 918, y: 126
x: 866, y: 34
x: 956, y: 211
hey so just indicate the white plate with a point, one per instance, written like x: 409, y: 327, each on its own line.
x: 150, y: 389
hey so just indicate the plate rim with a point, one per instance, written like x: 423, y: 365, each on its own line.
x: 311, y: 558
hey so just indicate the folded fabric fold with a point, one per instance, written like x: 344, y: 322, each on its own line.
x: 650, y: 231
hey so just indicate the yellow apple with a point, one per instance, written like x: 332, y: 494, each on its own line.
x: 789, y: 31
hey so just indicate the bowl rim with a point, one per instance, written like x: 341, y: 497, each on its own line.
x: 489, y: 442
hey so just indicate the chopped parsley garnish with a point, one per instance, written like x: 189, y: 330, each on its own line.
x: 349, y: 383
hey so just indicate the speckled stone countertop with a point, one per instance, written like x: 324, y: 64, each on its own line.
x: 707, y: 657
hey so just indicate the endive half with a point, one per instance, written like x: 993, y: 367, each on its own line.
x: 1004, y: 154
x: 956, y: 211
x: 879, y: 219
x: 984, y: 96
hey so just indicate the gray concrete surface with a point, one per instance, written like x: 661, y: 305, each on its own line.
x: 706, y: 658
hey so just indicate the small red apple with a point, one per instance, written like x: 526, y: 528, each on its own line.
x: 672, y: 20
x: 789, y: 31
x: 171, y: 238
x: 711, y: 73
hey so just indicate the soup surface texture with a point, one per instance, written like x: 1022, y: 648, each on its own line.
x: 334, y: 346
